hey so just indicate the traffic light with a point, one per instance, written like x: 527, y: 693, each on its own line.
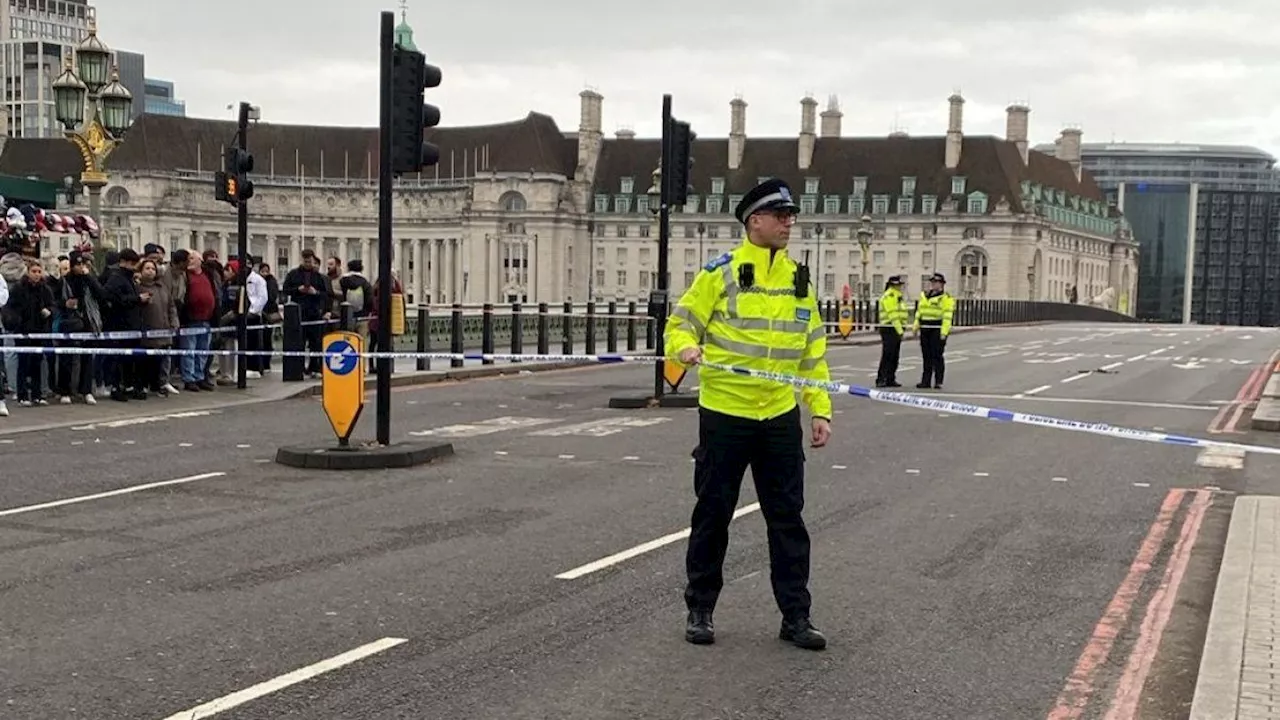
x: 682, y: 138
x: 232, y: 182
x: 411, y: 74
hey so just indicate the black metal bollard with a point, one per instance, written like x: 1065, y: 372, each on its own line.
x: 611, y: 328
x: 424, y: 337
x: 517, y: 331
x: 590, y: 348
x: 293, y: 364
x: 486, y: 333
x: 346, y: 317
x: 544, y: 329
x: 456, y: 336
x: 566, y: 329
x: 631, y: 326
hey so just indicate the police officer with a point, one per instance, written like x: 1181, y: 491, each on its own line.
x: 754, y: 308
x: 893, y: 316
x: 933, y: 322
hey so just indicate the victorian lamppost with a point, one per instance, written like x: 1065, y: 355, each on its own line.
x: 95, y: 110
x: 864, y: 243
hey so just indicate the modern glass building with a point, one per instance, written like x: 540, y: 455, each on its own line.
x: 160, y: 99
x: 1207, y: 220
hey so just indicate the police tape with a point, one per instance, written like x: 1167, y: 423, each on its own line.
x: 833, y: 387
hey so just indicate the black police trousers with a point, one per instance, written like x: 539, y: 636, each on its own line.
x: 932, y: 345
x: 774, y: 450
x: 890, y: 352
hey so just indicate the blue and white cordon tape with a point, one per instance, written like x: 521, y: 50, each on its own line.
x: 837, y: 388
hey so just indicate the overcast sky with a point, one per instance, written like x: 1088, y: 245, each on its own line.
x: 1172, y: 71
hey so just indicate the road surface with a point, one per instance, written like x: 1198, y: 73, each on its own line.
x: 962, y: 568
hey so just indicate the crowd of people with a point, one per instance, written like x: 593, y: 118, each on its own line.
x: 182, y: 300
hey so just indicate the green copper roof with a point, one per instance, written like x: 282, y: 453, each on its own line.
x: 404, y: 36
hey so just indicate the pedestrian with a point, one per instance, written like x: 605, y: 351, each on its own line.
x: 753, y: 308
x: 893, y: 316
x: 933, y: 321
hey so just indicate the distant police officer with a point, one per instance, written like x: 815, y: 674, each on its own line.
x: 893, y: 316
x: 933, y: 321
x: 753, y: 308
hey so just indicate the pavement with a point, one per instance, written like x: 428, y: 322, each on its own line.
x: 962, y: 568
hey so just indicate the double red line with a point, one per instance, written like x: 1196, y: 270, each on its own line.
x: 1228, y: 418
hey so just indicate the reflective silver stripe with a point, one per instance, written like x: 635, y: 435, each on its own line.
x: 684, y: 314
x: 738, y: 323
x: 809, y: 363
x: 777, y: 292
x: 753, y: 351
x: 817, y: 333
x: 753, y: 207
x: 730, y: 289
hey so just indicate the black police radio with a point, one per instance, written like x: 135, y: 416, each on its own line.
x: 802, y: 281
x: 746, y: 275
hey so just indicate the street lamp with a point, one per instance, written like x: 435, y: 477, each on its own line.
x: 655, y: 191
x: 95, y: 110
x: 864, y: 242
x: 1031, y: 281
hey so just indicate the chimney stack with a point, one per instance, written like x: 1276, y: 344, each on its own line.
x: 808, y: 131
x: 1069, y: 149
x: 831, y: 118
x: 737, y: 132
x: 1016, y: 128
x: 590, y: 133
x: 955, y: 134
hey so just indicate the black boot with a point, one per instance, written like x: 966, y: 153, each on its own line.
x: 801, y: 633
x: 700, y: 630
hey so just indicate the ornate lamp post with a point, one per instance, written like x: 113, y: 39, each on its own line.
x: 95, y: 110
x: 865, y: 234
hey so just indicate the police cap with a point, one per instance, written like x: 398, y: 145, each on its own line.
x: 772, y: 194
x: 938, y: 277
x: 894, y: 280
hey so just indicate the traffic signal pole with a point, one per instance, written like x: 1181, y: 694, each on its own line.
x: 661, y: 298
x: 385, y: 281
x: 242, y: 251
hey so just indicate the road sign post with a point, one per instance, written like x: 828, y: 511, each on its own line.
x: 342, y: 382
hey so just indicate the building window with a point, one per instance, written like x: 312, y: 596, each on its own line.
x: 877, y: 257
x: 880, y: 205
x: 642, y: 204
x: 908, y: 186
x: 904, y: 205
x: 622, y: 204
x: 622, y: 278
x: 859, y: 186
x: 734, y: 200
x: 622, y: 256
x: 622, y: 231
x: 602, y: 203
x: 598, y: 230
x: 957, y: 185
x: 691, y: 205
x: 973, y: 272
x: 811, y: 186
x: 904, y: 233
x: 928, y: 205
x: 599, y: 278
x: 717, y: 186
x: 713, y: 205
x: 808, y: 205
x: 904, y: 258
x: 713, y: 232
x: 926, y: 258
x: 977, y: 204
x: 643, y: 231
x: 688, y: 279
x: 857, y: 205
x: 644, y: 278
x: 627, y: 186
x: 831, y: 205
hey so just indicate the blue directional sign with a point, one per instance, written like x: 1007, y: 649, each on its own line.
x: 342, y: 382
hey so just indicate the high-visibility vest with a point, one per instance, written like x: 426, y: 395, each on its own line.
x: 760, y: 326
x: 935, y: 311
x: 892, y: 310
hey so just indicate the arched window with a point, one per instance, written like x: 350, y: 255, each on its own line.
x: 117, y: 196
x: 512, y: 201
x: 974, y: 266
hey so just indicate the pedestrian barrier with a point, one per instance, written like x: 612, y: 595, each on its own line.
x: 837, y: 388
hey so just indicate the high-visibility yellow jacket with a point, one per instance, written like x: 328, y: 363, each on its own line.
x: 934, y: 311
x: 892, y: 310
x: 761, y: 327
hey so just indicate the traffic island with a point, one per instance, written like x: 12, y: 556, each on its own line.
x: 370, y: 456
x: 1266, y: 415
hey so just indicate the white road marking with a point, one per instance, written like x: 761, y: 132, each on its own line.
x: 1112, y: 366
x: 185, y: 445
x: 484, y: 427
x: 650, y: 546
x: 566, y: 457
x: 127, y: 422
x: 1142, y: 485
x: 499, y: 452
x: 982, y: 474
x: 631, y: 457
x: 602, y: 427
x: 998, y: 353
x: 243, y: 446
x: 128, y: 442
x: 839, y: 467
x: 1074, y: 378
x: 6, y: 442
x: 912, y: 471
x: 1059, y: 479
x: 109, y: 493
x: 226, y: 702
x: 1034, y: 391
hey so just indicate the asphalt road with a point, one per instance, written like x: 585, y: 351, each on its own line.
x: 962, y: 568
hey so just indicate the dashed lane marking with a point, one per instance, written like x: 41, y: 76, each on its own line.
x: 1059, y: 479
x: 484, y: 427
x: 601, y: 428
x: 1142, y: 485
x: 128, y: 422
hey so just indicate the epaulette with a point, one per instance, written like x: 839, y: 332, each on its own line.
x: 718, y: 262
